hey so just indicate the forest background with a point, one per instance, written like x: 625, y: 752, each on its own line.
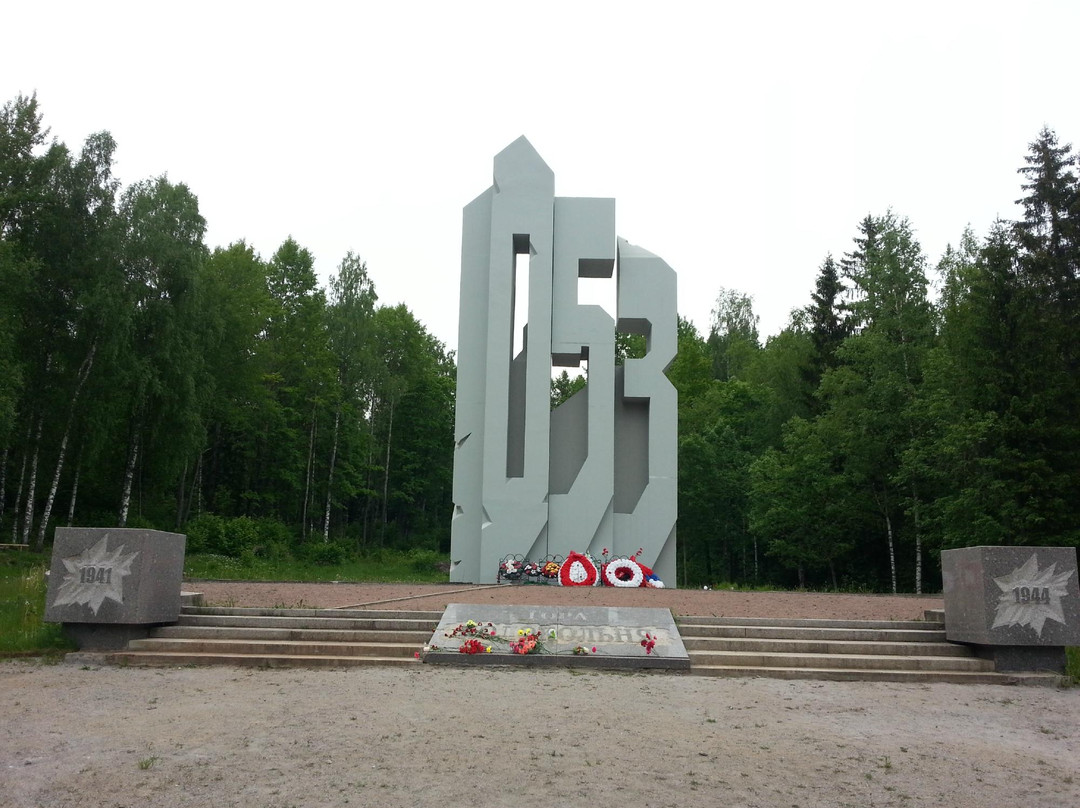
x: 148, y: 380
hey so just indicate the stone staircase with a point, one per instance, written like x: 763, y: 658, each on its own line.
x: 838, y: 650
x: 833, y: 650
x: 274, y: 638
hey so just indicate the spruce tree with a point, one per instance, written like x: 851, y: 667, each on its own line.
x: 829, y: 327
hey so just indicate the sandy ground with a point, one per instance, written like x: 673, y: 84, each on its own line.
x: 436, y: 735
x: 431, y: 735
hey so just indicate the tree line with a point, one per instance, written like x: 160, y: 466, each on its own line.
x: 146, y: 380
x: 886, y: 423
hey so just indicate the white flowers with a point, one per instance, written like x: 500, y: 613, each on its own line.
x: 623, y: 572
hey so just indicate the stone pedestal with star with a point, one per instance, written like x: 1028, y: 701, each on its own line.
x: 111, y: 585
x: 1019, y: 606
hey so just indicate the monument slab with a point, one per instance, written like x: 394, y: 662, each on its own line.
x: 104, y: 583
x: 1019, y: 605
x: 593, y: 636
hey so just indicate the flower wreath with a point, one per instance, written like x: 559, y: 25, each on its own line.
x: 550, y: 569
x: 650, y: 579
x: 578, y: 570
x: 532, y: 569
x: 623, y: 572
x: 510, y: 568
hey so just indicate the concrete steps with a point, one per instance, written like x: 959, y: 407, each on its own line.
x: 276, y: 638
x: 838, y: 650
x: 834, y: 650
x: 812, y: 646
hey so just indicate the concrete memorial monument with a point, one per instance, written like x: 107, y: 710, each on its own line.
x: 599, y: 471
x: 110, y: 585
x: 1019, y: 606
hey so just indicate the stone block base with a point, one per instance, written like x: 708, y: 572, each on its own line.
x: 104, y: 636
x: 1016, y: 658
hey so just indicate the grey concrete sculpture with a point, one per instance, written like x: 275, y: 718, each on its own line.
x: 599, y: 471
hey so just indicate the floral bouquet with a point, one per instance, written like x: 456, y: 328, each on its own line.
x: 474, y: 646
x: 511, y: 568
x: 528, y: 642
x: 470, y: 628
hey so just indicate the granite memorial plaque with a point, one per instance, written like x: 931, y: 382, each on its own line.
x: 113, y: 577
x: 1013, y: 601
x: 599, y: 636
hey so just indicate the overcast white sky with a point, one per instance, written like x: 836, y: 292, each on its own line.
x: 742, y: 142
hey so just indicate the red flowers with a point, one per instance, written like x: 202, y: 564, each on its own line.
x: 528, y: 644
x: 648, y: 643
x: 472, y: 628
x: 472, y: 646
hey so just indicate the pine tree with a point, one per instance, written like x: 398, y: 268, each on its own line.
x: 829, y: 327
x: 1049, y: 228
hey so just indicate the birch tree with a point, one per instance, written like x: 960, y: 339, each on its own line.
x: 351, y: 338
x: 162, y: 250
x: 301, y: 381
x: 872, y: 394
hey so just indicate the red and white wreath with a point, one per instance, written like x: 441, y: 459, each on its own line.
x: 623, y: 572
x: 578, y: 570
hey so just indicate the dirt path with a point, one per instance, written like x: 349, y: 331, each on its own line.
x: 681, y: 601
x: 491, y: 737
x: 119, y: 737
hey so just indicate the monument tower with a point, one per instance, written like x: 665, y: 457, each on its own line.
x: 599, y: 471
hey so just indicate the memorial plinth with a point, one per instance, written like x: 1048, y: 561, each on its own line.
x: 1019, y: 606
x: 587, y: 636
x: 111, y: 585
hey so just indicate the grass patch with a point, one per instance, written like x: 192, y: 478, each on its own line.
x: 380, y: 566
x: 22, y: 608
x: 728, y: 586
x: 1072, y: 665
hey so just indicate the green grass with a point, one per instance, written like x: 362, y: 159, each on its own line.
x: 22, y: 607
x: 23, y: 631
x: 1072, y: 665
x: 381, y: 566
x: 728, y: 586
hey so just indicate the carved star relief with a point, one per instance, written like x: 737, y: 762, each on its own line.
x: 1030, y: 597
x: 94, y: 575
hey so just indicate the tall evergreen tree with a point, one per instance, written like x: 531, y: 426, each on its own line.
x: 828, y: 325
x: 1048, y: 232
